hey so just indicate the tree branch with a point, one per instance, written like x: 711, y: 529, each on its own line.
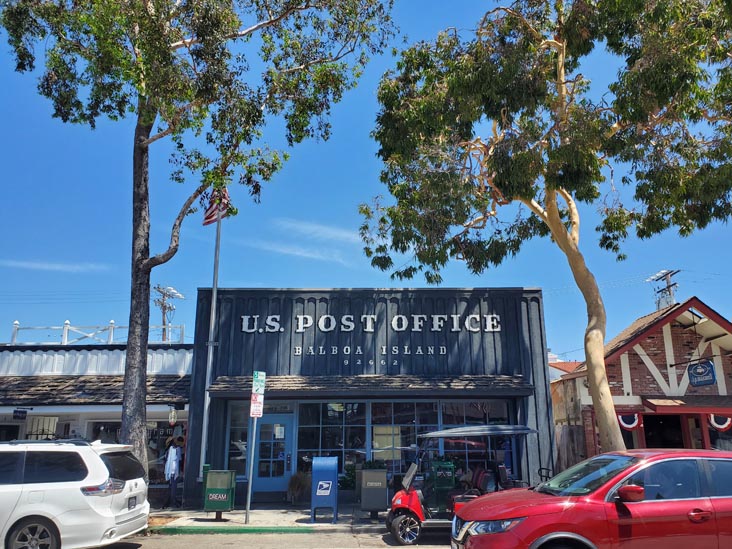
x: 245, y: 32
x: 515, y: 14
x: 535, y: 208
x: 172, y: 124
x: 712, y: 118
x: 574, y: 217
x: 554, y: 221
x: 165, y: 256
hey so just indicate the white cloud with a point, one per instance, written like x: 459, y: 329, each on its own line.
x: 330, y: 256
x: 55, y: 267
x: 318, y: 231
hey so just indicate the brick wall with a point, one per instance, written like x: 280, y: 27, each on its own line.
x: 685, y: 343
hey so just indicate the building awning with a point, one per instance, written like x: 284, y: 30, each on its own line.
x: 375, y: 386
x: 690, y: 404
x: 50, y: 390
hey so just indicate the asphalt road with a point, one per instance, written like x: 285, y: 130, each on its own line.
x: 315, y: 540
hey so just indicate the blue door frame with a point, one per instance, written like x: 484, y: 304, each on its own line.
x: 274, y: 453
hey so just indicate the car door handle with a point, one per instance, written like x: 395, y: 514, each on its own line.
x: 697, y: 515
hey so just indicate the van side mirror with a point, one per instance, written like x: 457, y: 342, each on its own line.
x: 631, y: 493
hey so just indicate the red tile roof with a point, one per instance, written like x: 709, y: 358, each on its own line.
x: 566, y: 366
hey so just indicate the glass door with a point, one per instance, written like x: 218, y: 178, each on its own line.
x: 273, y: 457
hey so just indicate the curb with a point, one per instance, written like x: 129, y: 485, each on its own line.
x: 192, y: 530
x: 177, y: 530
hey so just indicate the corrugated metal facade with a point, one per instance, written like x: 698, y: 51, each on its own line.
x: 353, y: 332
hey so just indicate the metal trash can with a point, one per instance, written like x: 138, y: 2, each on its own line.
x: 444, y: 479
x: 374, y: 491
x: 219, y: 492
x: 324, y: 490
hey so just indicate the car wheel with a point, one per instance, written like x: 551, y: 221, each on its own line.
x: 34, y: 533
x: 406, y: 529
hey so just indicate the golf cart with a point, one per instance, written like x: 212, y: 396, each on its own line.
x: 452, y: 467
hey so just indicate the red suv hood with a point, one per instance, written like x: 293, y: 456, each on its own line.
x: 518, y: 502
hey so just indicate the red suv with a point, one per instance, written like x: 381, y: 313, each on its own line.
x: 637, y: 499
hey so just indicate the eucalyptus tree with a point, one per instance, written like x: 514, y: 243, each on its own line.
x: 210, y: 75
x: 496, y: 138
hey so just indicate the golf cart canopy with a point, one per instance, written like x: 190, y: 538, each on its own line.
x: 480, y: 430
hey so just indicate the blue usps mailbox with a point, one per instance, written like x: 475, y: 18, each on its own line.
x: 324, y: 486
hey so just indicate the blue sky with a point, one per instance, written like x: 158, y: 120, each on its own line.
x: 66, y: 220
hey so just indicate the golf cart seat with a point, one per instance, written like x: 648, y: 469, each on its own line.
x: 487, y: 482
x: 473, y: 485
x: 504, y: 482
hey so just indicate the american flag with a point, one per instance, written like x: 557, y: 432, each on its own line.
x: 219, y: 205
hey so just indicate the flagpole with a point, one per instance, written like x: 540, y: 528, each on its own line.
x: 211, y: 344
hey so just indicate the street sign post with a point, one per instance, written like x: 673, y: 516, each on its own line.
x: 256, y: 409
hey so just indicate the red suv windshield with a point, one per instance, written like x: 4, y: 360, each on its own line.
x: 587, y: 476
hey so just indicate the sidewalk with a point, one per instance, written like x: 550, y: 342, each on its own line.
x: 265, y: 518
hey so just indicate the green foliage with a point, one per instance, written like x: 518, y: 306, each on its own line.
x: 200, y: 71
x: 210, y: 75
x: 472, y: 126
x: 347, y: 481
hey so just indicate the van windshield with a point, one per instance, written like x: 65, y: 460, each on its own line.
x: 123, y: 465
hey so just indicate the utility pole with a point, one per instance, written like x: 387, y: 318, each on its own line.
x: 165, y: 306
x: 665, y: 294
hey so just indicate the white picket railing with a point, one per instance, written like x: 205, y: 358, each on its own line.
x: 101, y: 335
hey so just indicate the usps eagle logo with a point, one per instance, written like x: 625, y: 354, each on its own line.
x: 324, y: 487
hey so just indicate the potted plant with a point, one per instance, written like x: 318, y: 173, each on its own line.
x: 298, y: 486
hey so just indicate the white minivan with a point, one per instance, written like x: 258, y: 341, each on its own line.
x: 69, y: 494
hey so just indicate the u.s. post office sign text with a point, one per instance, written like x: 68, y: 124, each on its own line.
x: 362, y: 331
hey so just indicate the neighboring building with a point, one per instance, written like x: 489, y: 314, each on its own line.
x: 670, y: 373
x: 359, y: 374
x: 74, y: 390
x: 558, y: 368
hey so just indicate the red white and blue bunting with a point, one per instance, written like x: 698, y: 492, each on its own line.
x: 720, y: 423
x: 630, y: 422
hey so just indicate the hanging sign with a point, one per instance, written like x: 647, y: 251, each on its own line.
x: 701, y: 373
x: 20, y: 414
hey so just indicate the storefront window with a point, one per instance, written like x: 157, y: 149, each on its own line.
x: 355, y: 413
x: 333, y: 413
x: 721, y: 440
x: 309, y: 414
x: 481, y: 412
x: 453, y: 413
x: 396, y: 443
x: 331, y: 429
x: 404, y: 413
x: 159, y: 436
x: 381, y: 413
x: 308, y: 437
x: 427, y: 413
x: 238, y: 432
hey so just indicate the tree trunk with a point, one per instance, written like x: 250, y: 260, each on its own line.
x: 602, y: 399
x: 134, y: 410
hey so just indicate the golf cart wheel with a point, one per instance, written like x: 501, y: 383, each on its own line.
x: 406, y: 529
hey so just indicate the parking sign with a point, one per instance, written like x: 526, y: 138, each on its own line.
x: 258, y: 380
x: 256, y: 405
